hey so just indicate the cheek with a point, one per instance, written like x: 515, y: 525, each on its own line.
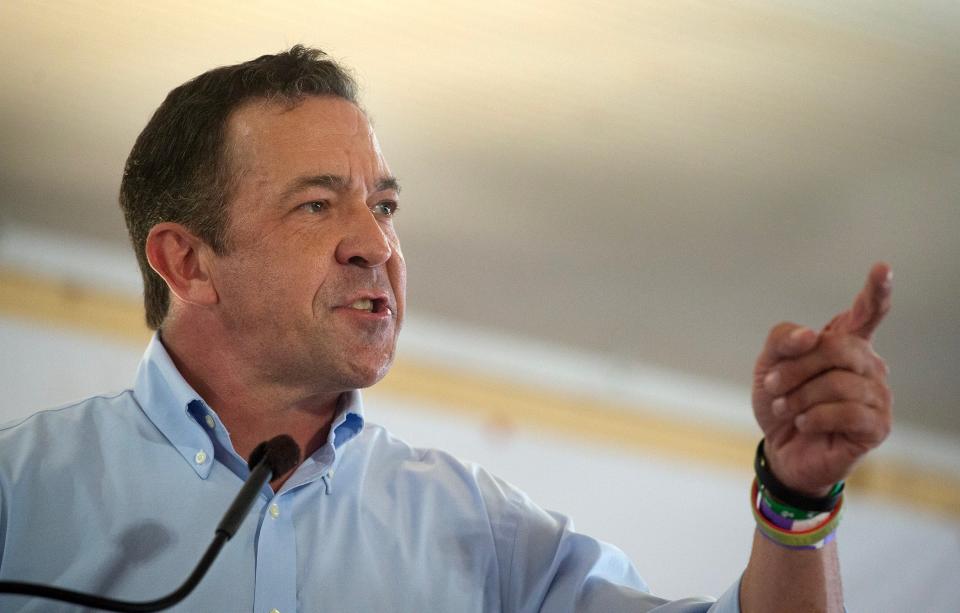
x: 252, y: 279
x: 398, y: 275
x: 246, y: 287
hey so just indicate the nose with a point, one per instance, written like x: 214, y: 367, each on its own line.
x: 364, y: 243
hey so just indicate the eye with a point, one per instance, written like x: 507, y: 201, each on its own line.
x: 387, y: 208
x: 315, y: 206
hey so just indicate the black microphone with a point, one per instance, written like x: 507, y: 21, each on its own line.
x: 270, y: 459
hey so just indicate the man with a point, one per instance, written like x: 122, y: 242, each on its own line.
x: 261, y: 211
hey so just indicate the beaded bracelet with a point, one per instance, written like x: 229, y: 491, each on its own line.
x: 826, y: 541
x: 813, y: 537
x: 790, y: 523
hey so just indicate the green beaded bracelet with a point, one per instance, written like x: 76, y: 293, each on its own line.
x: 785, y: 510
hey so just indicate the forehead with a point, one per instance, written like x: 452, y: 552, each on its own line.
x: 328, y: 114
x: 318, y: 130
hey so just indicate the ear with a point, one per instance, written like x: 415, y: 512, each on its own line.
x: 182, y: 259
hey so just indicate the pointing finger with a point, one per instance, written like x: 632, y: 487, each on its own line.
x: 870, y: 306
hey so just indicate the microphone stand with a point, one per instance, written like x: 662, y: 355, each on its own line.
x: 269, y: 459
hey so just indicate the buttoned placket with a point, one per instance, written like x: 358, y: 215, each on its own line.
x: 275, y: 585
x: 276, y: 565
x: 276, y: 570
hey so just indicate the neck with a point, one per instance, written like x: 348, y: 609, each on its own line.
x: 252, y: 409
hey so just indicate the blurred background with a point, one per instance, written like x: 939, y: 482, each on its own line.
x: 605, y: 207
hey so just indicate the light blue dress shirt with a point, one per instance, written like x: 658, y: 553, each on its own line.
x: 120, y: 495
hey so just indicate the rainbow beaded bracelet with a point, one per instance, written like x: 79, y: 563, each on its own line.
x: 813, y: 537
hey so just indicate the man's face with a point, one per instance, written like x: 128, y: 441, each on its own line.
x: 312, y: 285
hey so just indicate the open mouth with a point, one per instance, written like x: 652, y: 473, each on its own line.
x: 371, y: 305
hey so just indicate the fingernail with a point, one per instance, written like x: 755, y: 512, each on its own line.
x: 771, y: 381
x: 888, y: 280
x: 779, y: 406
x: 800, y: 421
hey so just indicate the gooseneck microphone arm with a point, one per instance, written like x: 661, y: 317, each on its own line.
x: 270, y: 459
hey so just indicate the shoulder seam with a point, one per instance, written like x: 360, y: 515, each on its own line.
x: 57, y: 409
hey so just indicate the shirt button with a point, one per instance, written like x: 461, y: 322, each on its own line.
x: 274, y: 610
x: 274, y: 511
x: 201, y: 457
x: 210, y: 421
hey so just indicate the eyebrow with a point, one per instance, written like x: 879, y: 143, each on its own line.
x: 336, y: 183
x: 387, y: 183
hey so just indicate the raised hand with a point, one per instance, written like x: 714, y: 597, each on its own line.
x: 821, y: 398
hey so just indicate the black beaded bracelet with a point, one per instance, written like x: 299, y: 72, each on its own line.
x: 788, y: 496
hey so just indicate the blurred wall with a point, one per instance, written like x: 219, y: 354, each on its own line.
x: 657, y: 182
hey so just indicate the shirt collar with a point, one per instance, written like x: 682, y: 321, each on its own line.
x: 165, y: 398
x: 322, y: 464
x: 177, y: 410
x: 349, y: 421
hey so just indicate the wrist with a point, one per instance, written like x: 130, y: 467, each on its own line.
x: 803, y: 500
x: 783, y: 477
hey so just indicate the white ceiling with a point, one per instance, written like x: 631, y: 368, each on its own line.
x: 655, y: 181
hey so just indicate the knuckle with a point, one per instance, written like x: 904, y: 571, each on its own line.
x: 883, y: 425
x: 886, y: 395
x: 868, y: 393
x: 880, y: 365
x: 862, y: 389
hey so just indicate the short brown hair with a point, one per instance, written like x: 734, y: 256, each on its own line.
x: 178, y: 169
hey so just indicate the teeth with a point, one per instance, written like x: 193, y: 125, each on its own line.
x: 364, y: 304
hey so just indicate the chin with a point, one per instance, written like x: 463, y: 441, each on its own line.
x: 366, y: 375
